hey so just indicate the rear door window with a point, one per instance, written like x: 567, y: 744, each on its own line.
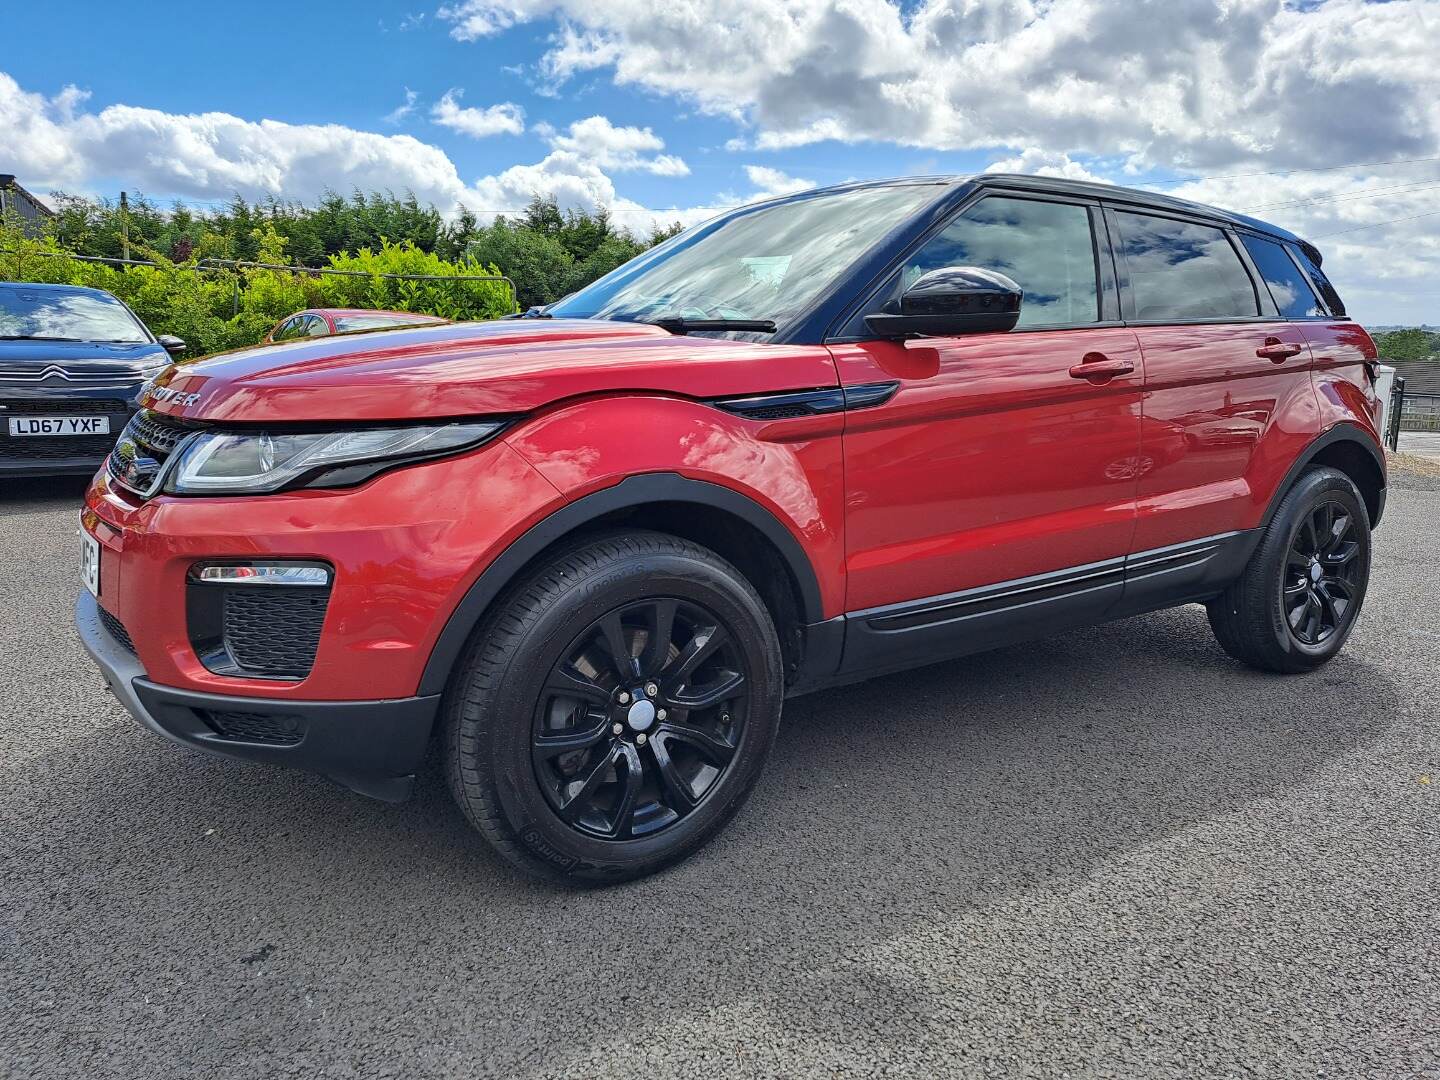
x: 1294, y: 298
x: 1327, y: 291
x: 316, y: 326
x: 1181, y: 271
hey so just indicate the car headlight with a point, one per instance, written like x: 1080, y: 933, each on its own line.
x: 233, y: 463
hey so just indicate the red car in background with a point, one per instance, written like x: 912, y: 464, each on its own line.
x: 322, y: 322
x: 592, y: 549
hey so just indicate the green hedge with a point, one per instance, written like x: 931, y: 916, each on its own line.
x: 200, y: 304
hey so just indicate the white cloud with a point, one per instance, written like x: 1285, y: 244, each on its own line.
x: 507, y: 118
x: 1195, y: 83
x: 770, y: 181
x: 400, y: 112
x: 597, y: 140
x: 1044, y: 163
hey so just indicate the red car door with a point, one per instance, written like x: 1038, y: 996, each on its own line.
x: 1228, y: 395
x: 994, y: 489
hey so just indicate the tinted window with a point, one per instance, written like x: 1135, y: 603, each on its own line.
x: 1181, y: 271
x: 1293, y: 296
x: 47, y: 315
x: 1332, y: 298
x: 288, y: 329
x: 1045, y: 247
x: 316, y: 327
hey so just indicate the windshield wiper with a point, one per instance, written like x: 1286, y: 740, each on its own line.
x: 685, y: 326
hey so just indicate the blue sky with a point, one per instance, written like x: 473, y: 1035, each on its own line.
x: 695, y: 103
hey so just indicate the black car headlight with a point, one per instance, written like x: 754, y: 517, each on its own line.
x: 255, y: 463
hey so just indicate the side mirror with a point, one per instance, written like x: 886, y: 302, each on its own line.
x: 952, y: 300
x: 172, y: 344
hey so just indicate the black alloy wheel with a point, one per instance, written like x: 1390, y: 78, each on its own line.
x: 1295, y: 603
x: 1319, y: 583
x: 640, y: 718
x: 615, y: 709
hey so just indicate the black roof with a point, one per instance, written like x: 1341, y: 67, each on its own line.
x: 1115, y: 193
x: 1080, y: 188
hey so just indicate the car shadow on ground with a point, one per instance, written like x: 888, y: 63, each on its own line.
x: 888, y: 807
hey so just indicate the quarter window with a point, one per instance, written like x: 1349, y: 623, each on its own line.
x: 1293, y: 296
x: 1183, y: 272
x: 1046, y: 247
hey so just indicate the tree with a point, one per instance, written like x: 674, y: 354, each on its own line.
x: 535, y: 261
x: 1409, y: 344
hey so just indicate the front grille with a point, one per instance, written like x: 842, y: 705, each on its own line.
x: 117, y: 630
x: 156, y: 434
x: 272, y: 630
x: 147, y: 441
x: 63, y: 406
x: 60, y: 447
x: 271, y: 729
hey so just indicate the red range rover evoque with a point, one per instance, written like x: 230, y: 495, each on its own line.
x: 591, y: 549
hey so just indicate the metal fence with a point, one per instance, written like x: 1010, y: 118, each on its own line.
x: 1418, y: 412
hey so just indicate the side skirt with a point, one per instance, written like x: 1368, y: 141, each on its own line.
x: 896, y: 637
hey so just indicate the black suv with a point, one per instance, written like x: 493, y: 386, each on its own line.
x: 72, y: 362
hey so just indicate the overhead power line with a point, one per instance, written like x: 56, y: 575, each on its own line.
x: 1347, y: 196
x: 1286, y: 172
x: 1376, y: 225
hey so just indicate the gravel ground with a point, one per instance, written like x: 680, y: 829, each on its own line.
x: 1110, y: 854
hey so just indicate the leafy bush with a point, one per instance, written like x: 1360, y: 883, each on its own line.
x: 219, y: 307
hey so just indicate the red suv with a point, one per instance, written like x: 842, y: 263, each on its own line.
x: 593, y: 548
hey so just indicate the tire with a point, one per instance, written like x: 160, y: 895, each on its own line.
x: 532, y: 753
x: 1297, y: 600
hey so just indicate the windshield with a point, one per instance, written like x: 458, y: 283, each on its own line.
x: 763, y: 263
x: 42, y: 315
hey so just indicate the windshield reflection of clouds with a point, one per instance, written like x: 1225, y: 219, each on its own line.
x: 767, y: 263
x: 66, y: 316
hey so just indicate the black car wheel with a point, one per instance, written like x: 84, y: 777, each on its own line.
x: 1297, y: 601
x: 616, y: 710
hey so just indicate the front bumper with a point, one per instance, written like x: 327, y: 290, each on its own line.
x: 371, y: 747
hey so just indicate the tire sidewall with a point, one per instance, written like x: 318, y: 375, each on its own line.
x: 503, y: 748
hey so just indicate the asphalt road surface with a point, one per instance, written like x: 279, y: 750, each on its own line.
x: 1114, y: 853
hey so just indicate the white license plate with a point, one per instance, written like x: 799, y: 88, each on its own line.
x: 59, y: 425
x: 90, y: 562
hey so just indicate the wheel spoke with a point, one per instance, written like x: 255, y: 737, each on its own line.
x: 1311, y: 534
x: 682, y: 798
x: 629, y: 790
x: 700, y: 648
x: 1312, y: 623
x: 1298, y: 588
x: 715, y: 749
x: 661, y: 629
x: 1342, y: 554
x: 577, y: 795
x: 567, y: 682
x: 624, y: 660
x: 711, y: 694
x: 1327, y: 604
x: 1339, y: 527
x: 549, y: 746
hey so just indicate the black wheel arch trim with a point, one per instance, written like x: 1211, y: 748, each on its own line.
x: 632, y: 492
x: 1343, y: 432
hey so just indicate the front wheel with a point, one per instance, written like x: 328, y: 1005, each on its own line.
x: 1297, y: 601
x: 616, y: 710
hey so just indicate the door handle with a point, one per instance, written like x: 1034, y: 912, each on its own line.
x: 1277, y: 351
x: 1099, y: 368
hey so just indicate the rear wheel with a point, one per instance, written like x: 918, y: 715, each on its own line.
x: 1297, y: 601
x: 616, y: 711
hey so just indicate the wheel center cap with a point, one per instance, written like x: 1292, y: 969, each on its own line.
x: 1316, y: 573
x: 641, y: 715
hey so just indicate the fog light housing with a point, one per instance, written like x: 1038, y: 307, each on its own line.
x: 317, y: 575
